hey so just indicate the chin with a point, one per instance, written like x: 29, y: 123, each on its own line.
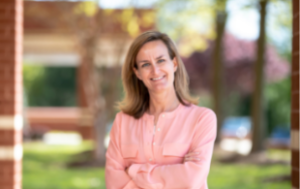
x: 159, y: 89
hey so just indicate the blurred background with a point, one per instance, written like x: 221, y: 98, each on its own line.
x: 238, y: 57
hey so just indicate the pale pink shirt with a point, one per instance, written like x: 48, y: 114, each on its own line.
x: 156, y: 161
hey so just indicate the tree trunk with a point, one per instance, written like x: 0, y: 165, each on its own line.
x: 100, y: 131
x: 90, y: 97
x: 258, y: 121
x: 218, y: 69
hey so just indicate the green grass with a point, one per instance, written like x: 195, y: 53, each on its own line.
x: 44, y: 167
x: 246, y: 176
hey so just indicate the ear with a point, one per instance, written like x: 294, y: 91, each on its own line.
x: 137, y: 73
x: 175, y: 64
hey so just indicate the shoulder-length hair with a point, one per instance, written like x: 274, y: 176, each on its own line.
x: 137, y: 99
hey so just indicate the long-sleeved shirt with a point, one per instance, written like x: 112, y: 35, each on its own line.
x: 156, y: 160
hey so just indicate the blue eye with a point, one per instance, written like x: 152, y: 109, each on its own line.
x: 144, y: 65
x: 161, y: 60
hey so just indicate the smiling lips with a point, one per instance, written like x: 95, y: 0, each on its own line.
x: 157, y: 78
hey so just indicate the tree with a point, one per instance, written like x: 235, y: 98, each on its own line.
x: 258, y: 121
x: 218, y: 66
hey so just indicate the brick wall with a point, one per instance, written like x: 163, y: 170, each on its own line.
x: 11, y: 19
x: 295, y: 98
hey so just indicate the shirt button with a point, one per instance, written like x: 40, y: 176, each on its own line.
x: 158, y: 129
x: 150, y: 159
x: 153, y: 143
x: 163, y: 115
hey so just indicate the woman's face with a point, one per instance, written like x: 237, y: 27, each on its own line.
x: 155, y: 67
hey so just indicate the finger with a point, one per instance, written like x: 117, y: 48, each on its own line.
x: 192, y: 154
x: 191, y: 159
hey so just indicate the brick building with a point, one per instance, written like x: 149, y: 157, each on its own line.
x: 295, y: 98
x: 11, y: 37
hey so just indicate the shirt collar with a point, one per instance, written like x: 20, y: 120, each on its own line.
x: 165, y: 114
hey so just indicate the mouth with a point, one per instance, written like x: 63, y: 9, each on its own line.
x: 157, y: 78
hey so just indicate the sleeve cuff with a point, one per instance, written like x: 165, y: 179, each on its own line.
x: 133, y: 170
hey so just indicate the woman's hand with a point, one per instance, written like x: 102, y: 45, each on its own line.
x: 192, y: 156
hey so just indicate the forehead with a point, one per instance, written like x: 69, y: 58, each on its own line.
x: 152, y: 48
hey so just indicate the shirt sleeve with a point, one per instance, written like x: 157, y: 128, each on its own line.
x: 186, y: 175
x: 115, y: 175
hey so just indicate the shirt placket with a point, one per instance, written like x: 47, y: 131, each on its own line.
x: 152, y: 136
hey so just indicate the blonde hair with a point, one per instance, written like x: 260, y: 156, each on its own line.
x: 137, y: 99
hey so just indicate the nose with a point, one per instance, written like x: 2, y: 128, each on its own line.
x: 155, y: 69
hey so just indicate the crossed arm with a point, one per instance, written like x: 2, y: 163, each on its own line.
x: 191, y: 173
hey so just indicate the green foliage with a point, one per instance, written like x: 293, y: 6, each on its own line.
x: 279, y: 25
x: 50, y: 86
x: 190, y: 23
x: 88, y: 8
x: 44, y: 167
x: 278, y: 99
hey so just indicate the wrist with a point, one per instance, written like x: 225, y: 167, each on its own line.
x: 133, y: 170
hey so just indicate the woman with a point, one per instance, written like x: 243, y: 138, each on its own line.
x: 160, y: 139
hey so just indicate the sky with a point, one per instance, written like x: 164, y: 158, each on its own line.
x: 236, y: 23
x: 241, y: 22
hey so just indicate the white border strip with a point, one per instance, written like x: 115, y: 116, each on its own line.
x: 11, y: 152
x: 295, y: 139
x: 11, y: 122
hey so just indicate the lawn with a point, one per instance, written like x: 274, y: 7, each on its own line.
x: 44, y: 167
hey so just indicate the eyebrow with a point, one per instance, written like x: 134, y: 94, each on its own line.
x: 142, y: 61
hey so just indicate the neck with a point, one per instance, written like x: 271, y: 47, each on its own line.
x: 163, y: 102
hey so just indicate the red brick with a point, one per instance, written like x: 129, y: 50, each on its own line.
x: 8, y: 59
x: 10, y: 19
x: 7, y: 67
x: 8, y: 102
x: 295, y: 159
x: 5, y: 51
x: 16, y: 164
x: 10, y: 171
x: 10, y: 137
x: 10, y: 99
x: 7, y: 5
x: 7, y: 22
x: 7, y: 1
x: 7, y: 110
x: 295, y: 178
x: 295, y: 100
x: 8, y: 48
x: 10, y: 184
x: 295, y: 61
x: 296, y: 43
x: 295, y: 82
x: 295, y: 121
x: 296, y: 26
x: 7, y: 80
x: 295, y: 6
